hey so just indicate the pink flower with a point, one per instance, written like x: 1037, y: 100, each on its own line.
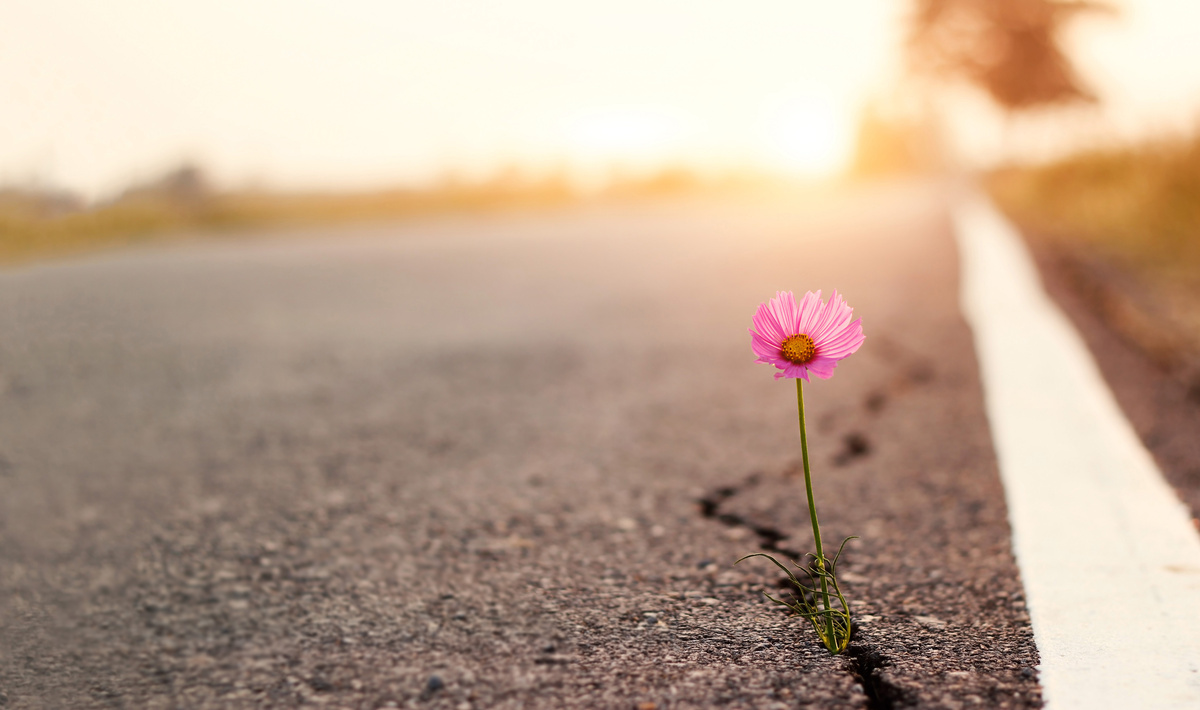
x: 807, y: 338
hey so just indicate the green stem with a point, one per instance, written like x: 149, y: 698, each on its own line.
x: 812, y: 510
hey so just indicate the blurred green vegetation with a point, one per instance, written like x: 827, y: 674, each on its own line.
x: 1123, y: 226
x: 39, y: 224
x: 1139, y: 204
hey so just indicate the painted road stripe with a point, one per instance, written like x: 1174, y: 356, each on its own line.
x: 1110, y: 559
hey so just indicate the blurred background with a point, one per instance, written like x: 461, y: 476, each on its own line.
x: 207, y: 447
x: 127, y: 120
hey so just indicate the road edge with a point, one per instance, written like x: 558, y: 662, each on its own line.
x: 1108, y: 554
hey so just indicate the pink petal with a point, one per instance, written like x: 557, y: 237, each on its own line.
x: 809, y: 309
x: 776, y: 361
x: 829, y: 324
x: 793, y: 371
x: 784, y: 306
x: 822, y: 367
x: 820, y: 324
x: 838, y: 315
x: 768, y: 326
x: 763, y: 347
x: 846, y: 342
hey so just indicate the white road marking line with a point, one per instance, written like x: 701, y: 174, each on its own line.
x: 1109, y: 556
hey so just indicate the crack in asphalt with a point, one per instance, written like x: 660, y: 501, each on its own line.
x: 864, y: 662
x: 768, y: 537
x: 854, y: 445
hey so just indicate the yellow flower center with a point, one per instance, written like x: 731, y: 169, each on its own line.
x: 799, y: 349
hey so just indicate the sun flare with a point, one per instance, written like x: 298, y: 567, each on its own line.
x: 808, y: 137
x: 632, y: 134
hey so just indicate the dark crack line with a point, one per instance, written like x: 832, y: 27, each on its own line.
x: 866, y: 664
x: 768, y: 537
x: 854, y: 445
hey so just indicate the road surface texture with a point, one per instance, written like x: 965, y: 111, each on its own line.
x: 500, y: 462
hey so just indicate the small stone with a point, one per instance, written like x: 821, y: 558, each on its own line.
x: 434, y: 683
x: 460, y: 616
x: 930, y: 621
x: 320, y: 685
x: 1028, y: 673
x: 200, y: 660
x: 647, y: 706
x: 703, y: 563
x: 548, y: 648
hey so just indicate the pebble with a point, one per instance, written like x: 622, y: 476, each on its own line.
x: 434, y: 683
x: 931, y: 621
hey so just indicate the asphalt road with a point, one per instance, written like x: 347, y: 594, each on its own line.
x: 498, y: 462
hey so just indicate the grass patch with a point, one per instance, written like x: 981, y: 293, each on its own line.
x: 1127, y: 221
x: 1139, y: 204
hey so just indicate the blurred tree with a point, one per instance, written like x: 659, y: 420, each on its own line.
x: 1009, y: 48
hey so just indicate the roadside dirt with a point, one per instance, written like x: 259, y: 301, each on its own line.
x: 1146, y: 355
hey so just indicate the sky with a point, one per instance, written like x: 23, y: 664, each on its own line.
x: 299, y: 94
x: 1143, y: 62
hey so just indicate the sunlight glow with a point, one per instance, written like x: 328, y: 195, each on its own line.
x: 364, y: 93
x: 631, y: 134
x: 808, y: 136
